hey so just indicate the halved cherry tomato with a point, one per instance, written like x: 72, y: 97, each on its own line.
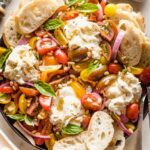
x: 61, y: 56
x: 32, y: 42
x: 40, y: 32
x: 29, y: 91
x: 110, y: 10
x: 132, y: 111
x: 145, y: 76
x: 85, y: 121
x: 106, y: 31
x: 78, y: 88
x: 114, y: 68
x: 45, y: 102
x: 70, y: 15
x: 39, y: 141
x: 22, y: 104
x: 6, y: 89
x: 45, y: 45
x: 92, y: 101
x: 93, y: 1
x: 107, y: 52
x: 49, y: 60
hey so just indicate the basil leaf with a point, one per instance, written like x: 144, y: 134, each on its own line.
x: 53, y: 24
x: 72, y: 2
x: 28, y: 120
x: 3, y: 95
x: 88, y: 7
x: 18, y: 117
x: 4, y: 57
x: 93, y: 65
x: 44, y: 88
x: 72, y: 129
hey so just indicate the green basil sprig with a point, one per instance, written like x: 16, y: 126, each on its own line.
x: 53, y: 24
x: 20, y: 117
x: 72, y: 129
x: 72, y: 2
x: 44, y: 88
x: 88, y: 8
x: 4, y: 57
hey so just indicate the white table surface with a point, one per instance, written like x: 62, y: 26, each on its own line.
x: 145, y: 9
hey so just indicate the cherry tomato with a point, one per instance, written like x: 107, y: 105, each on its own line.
x: 61, y: 56
x: 145, y: 76
x: 39, y: 141
x: 132, y: 111
x: 93, y: 1
x: 92, y: 101
x: 6, y: 89
x: 29, y: 91
x: 107, y: 52
x: 40, y: 32
x: 45, y: 45
x: 49, y: 60
x: 45, y: 102
x: 106, y: 31
x: 110, y: 10
x: 114, y: 68
x: 85, y: 121
x: 70, y: 15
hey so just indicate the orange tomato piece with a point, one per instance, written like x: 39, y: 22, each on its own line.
x: 29, y: 91
x: 49, y: 60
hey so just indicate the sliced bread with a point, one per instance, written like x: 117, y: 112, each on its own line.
x: 10, y: 35
x: 145, y: 57
x: 119, y: 140
x: 32, y: 15
x: 98, y: 136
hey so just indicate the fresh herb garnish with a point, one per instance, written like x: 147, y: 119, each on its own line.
x: 3, y: 95
x: 72, y: 129
x: 88, y: 8
x: 93, y: 65
x: 20, y: 117
x: 72, y: 2
x: 53, y: 24
x: 44, y: 88
x: 4, y: 57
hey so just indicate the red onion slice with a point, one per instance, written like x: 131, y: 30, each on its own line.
x: 23, y: 41
x: 46, y: 137
x: 117, y: 43
x: 4, y: 84
x: 123, y: 118
x: 100, y: 13
x: 121, y: 125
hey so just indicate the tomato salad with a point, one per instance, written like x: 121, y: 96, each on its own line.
x: 68, y: 69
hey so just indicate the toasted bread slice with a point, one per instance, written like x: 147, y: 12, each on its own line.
x: 10, y: 35
x: 97, y: 137
x: 32, y: 15
x: 131, y: 45
x: 145, y: 57
x: 119, y: 140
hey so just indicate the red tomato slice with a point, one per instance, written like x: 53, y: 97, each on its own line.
x: 40, y: 32
x: 145, y: 76
x: 132, y: 111
x: 29, y: 91
x: 114, y: 68
x: 107, y: 52
x: 45, y: 102
x: 45, y: 45
x: 39, y: 141
x: 6, y: 89
x: 85, y: 121
x: 70, y: 15
x: 61, y: 56
x: 92, y: 101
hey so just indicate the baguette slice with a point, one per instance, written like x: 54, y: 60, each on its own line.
x: 97, y: 137
x: 145, y: 57
x: 10, y: 35
x: 119, y: 139
x: 32, y: 15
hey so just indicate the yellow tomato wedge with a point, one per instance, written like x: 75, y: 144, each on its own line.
x: 78, y: 88
x: 50, y: 143
x: 135, y: 70
x: 22, y: 104
x: 2, y: 50
x: 32, y: 42
x: 50, y: 68
x: 43, y: 76
x: 60, y: 37
x: 110, y: 10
